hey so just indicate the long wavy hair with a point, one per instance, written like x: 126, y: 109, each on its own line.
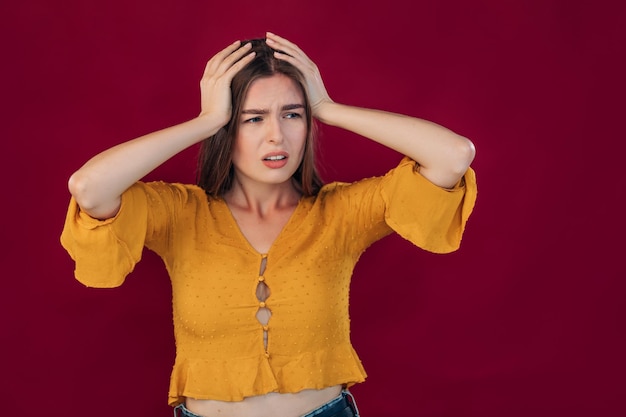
x: 215, y: 171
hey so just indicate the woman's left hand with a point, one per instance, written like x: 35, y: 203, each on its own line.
x: 290, y: 52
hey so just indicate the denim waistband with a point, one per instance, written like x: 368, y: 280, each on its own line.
x: 342, y: 406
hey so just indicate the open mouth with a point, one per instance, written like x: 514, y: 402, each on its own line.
x: 275, y: 158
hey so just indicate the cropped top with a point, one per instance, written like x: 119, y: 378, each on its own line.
x: 221, y: 353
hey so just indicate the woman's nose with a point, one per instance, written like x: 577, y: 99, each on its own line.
x: 274, y: 131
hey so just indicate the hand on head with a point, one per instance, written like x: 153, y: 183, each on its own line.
x: 220, y: 70
x: 291, y: 53
x: 217, y: 77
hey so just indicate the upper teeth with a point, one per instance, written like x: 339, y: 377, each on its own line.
x: 275, y: 157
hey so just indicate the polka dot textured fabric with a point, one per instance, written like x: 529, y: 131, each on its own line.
x: 248, y: 323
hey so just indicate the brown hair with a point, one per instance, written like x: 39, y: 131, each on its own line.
x: 215, y: 172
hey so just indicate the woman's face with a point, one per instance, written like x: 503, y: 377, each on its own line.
x: 272, y: 132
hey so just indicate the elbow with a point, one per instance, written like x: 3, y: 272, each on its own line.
x: 453, y: 163
x: 77, y: 186
x: 464, y: 154
x: 82, y: 189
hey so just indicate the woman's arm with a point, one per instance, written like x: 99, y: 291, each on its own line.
x: 98, y: 185
x: 443, y: 155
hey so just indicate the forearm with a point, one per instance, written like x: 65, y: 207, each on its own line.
x: 443, y: 155
x: 98, y: 185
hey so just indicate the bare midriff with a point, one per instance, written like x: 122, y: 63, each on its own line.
x: 272, y: 404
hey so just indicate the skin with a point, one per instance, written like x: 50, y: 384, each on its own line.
x: 263, y: 198
x: 273, y: 123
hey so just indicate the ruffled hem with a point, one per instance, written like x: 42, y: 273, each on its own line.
x: 237, y: 378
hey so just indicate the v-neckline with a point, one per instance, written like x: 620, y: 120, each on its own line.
x: 292, y: 222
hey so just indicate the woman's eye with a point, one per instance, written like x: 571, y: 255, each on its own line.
x: 253, y: 120
x: 293, y: 115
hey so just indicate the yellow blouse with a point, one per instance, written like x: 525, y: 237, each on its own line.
x: 220, y: 348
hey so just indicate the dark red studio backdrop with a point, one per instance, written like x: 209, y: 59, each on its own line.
x: 526, y: 319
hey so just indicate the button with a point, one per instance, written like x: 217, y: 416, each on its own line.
x: 267, y: 354
x: 266, y: 328
x: 262, y: 304
x: 261, y: 278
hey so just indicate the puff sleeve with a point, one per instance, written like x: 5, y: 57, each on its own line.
x: 105, y: 251
x: 429, y: 216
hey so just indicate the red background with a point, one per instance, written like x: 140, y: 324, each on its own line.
x: 527, y: 319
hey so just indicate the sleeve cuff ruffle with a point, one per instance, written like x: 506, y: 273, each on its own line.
x: 429, y: 216
x: 106, y: 251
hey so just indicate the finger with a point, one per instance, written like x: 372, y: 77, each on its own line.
x: 272, y: 37
x: 284, y: 45
x: 290, y: 52
x: 305, y: 65
x: 233, y: 58
x: 219, y: 57
x: 221, y: 63
x: 231, y: 53
x: 238, y: 66
x: 288, y: 58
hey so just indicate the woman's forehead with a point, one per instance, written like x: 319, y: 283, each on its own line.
x: 271, y: 91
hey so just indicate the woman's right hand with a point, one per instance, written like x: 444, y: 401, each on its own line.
x: 215, y: 84
x: 98, y: 185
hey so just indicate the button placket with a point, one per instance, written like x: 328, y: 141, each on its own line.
x: 263, y: 313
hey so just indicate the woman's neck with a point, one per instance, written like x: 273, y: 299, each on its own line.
x: 263, y: 199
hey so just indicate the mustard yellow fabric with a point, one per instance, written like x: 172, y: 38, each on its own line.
x: 220, y: 353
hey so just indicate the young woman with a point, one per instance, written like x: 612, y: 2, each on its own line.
x: 260, y: 252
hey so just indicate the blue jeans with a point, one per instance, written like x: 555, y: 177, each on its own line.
x: 342, y: 406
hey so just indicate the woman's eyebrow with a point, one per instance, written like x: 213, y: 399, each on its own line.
x: 265, y: 111
x: 293, y: 106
